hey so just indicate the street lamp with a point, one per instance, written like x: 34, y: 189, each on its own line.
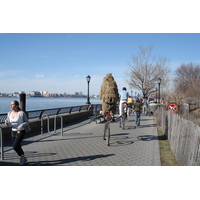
x: 88, y: 78
x: 159, y: 82
x: 156, y: 95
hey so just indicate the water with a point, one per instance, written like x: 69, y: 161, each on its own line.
x: 40, y: 103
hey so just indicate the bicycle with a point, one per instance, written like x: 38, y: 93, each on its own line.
x: 124, y: 116
x: 129, y: 109
x: 106, y: 135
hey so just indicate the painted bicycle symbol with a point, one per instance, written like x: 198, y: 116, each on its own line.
x: 172, y: 107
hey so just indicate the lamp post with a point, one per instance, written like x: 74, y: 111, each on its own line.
x: 156, y: 95
x: 88, y: 78
x: 159, y: 82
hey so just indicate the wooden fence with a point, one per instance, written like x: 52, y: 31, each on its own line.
x: 184, y: 137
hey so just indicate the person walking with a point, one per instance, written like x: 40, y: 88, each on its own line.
x: 145, y: 106
x: 123, y: 98
x: 19, y: 123
x: 137, y: 109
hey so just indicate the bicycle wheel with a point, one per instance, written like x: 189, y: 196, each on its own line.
x: 123, y: 122
x: 108, y: 136
x: 104, y: 133
x: 120, y: 122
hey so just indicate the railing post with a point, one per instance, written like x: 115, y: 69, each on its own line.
x: 23, y: 101
x: 42, y: 123
x: 70, y: 110
x: 58, y: 111
x: 80, y: 108
x: 61, y: 121
x: 2, y: 151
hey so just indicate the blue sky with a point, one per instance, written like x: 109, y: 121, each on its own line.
x: 59, y: 62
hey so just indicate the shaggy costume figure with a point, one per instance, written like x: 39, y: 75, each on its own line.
x: 109, y: 94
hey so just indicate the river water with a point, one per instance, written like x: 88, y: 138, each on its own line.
x: 40, y: 103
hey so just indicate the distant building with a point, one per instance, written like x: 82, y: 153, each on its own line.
x: 15, y: 94
x: 76, y: 93
x: 35, y: 94
x: 43, y: 93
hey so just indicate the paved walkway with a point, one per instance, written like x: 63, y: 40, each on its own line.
x: 82, y: 144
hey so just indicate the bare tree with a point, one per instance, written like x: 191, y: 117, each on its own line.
x: 146, y: 69
x: 187, y: 80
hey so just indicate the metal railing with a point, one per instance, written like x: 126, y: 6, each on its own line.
x: 56, y: 111
x: 48, y: 124
x: 2, y: 151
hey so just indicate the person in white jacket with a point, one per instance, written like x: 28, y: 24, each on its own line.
x: 19, y: 123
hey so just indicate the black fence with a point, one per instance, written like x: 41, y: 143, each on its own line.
x: 56, y: 111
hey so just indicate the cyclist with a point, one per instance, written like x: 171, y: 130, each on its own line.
x: 123, y: 99
x: 130, y: 104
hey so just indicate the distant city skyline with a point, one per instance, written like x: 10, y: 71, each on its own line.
x: 44, y: 93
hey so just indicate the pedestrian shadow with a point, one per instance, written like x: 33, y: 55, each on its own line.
x: 4, y: 163
x: 142, y: 119
x: 148, y: 125
x: 151, y: 137
x: 68, y: 160
x: 119, y: 134
x: 130, y: 127
x: 122, y: 136
x: 32, y: 154
x: 121, y: 143
x: 147, y: 137
x: 120, y: 139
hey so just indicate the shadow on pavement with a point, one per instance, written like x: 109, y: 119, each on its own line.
x: 120, y: 143
x: 149, y: 125
x: 8, y: 164
x: 151, y: 137
x: 67, y: 160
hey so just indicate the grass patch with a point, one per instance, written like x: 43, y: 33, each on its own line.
x: 166, y: 155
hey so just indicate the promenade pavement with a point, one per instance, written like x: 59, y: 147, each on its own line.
x: 82, y: 144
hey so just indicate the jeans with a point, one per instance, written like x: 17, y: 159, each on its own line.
x: 17, y: 139
x: 137, y: 118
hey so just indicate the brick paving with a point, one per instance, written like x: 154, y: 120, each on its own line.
x: 82, y: 144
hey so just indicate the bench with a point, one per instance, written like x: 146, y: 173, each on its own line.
x: 95, y: 118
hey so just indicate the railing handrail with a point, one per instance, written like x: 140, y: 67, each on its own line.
x: 55, y: 111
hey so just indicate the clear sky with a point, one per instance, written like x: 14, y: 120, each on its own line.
x: 59, y: 62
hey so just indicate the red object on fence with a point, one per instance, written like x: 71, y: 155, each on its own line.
x: 172, y: 107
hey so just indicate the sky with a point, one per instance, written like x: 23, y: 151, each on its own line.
x: 60, y: 62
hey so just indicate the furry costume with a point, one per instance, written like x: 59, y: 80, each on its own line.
x: 109, y: 94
